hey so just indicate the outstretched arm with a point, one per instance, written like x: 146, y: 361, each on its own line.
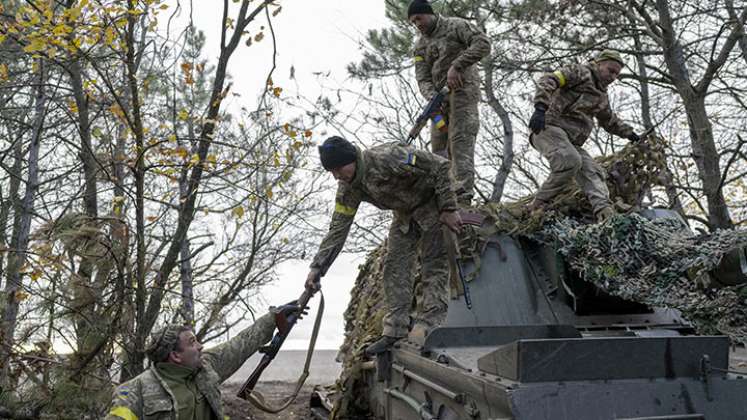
x: 346, y: 205
x: 228, y: 357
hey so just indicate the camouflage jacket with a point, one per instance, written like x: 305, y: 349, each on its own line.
x: 147, y: 397
x: 573, y: 97
x: 414, y: 183
x: 453, y: 41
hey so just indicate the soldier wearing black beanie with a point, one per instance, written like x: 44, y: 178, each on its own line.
x: 419, y: 7
x: 336, y: 152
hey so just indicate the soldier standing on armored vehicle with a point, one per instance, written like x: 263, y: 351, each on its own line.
x: 182, y: 382
x: 446, y: 54
x: 417, y: 186
x: 565, y: 103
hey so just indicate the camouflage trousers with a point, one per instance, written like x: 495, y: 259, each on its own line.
x: 568, y: 162
x: 402, y: 250
x: 458, y: 144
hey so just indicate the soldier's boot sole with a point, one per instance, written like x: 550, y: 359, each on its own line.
x: 381, y: 345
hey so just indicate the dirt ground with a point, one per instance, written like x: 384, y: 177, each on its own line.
x: 275, y: 392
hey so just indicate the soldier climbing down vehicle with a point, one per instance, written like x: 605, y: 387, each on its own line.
x: 566, y: 101
x: 416, y: 185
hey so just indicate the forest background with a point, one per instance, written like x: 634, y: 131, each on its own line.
x: 143, y: 181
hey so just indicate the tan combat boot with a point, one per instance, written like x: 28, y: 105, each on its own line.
x: 536, y: 207
x: 604, y: 214
x: 418, y: 333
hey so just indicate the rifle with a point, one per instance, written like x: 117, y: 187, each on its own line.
x: 453, y: 254
x: 431, y: 110
x: 271, y: 350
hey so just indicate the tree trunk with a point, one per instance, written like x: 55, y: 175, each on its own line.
x: 135, y: 365
x: 7, y: 202
x: 499, y: 183
x: 674, y: 200
x: 701, y: 132
x: 13, y: 292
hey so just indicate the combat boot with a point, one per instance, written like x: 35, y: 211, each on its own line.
x: 418, y: 333
x: 604, y: 214
x: 381, y: 345
x: 537, y: 207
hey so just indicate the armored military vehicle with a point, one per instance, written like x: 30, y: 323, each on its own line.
x: 541, y: 342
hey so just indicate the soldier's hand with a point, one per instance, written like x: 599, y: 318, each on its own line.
x: 537, y: 122
x: 452, y: 220
x: 312, y: 280
x: 291, y: 308
x: 635, y: 138
x: 454, y: 78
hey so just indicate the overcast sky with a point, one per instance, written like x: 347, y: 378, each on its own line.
x: 312, y: 36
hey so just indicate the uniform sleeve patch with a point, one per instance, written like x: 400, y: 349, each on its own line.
x: 419, y: 58
x: 411, y: 159
x: 345, y: 210
x: 560, y: 76
x: 123, y: 412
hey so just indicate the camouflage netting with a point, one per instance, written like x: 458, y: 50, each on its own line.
x: 651, y: 262
x: 657, y: 263
x: 631, y: 175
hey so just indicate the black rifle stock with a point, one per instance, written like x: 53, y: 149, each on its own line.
x: 430, y: 109
x: 271, y: 350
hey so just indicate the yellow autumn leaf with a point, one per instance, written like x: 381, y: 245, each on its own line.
x: 109, y: 36
x: 277, y: 91
x: 36, y: 275
x: 269, y: 192
x: 3, y: 72
x: 183, y: 115
x: 259, y: 37
x: 238, y: 212
x: 195, y: 159
x: 36, y: 44
x: 212, y: 159
x: 20, y: 296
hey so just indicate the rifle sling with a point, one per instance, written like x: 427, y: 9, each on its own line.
x: 258, y: 400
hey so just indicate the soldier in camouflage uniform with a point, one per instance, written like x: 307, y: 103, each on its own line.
x: 416, y: 185
x: 182, y: 382
x: 566, y: 101
x: 446, y: 54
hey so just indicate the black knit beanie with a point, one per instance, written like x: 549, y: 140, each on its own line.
x: 336, y: 152
x: 419, y: 7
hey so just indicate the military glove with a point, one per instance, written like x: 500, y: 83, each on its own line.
x: 313, y: 280
x: 537, y: 122
x: 291, y: 308
x: 284, y: 311
x: 635, y: 138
